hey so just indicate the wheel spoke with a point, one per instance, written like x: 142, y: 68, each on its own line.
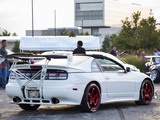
x: 94, y: 102
x: 92, y: 91
x: 146, y: 86
x: 144, y: 91
x: 95, y: 96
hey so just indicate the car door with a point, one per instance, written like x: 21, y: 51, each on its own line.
x: 118, y: 82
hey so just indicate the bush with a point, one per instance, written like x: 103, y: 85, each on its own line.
x: 136, y: 61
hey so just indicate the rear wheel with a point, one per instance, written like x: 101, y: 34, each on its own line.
x: 28, y: 106
x: 91, y: 98
x: 146, y: 93
x: 155, y: 76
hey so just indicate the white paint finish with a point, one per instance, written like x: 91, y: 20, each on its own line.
x: 120, y: 84
x: 114, y: 86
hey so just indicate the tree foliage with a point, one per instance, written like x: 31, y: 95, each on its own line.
x: 14, y: 34
x: 82, y: 33
x: 72, y: 34
x: 5, y: 33
x: 16, y: 47
x: 108, y: 42
x: 63, y: 32
x: 138, y: 33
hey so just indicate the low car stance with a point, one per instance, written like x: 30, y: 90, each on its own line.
x: 87, y: 81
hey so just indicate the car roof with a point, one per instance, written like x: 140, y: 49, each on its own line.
x: 87, y: 52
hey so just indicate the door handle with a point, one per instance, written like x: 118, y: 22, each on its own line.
x: 107, y: 78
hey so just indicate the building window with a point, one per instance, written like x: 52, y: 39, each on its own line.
x: 95, y: 31
x: 78, y: 6
x: 89, y: 15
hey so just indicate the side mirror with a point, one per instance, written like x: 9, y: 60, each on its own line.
x: 128, y: 69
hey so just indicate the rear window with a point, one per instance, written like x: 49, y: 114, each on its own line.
x: 72, y: 61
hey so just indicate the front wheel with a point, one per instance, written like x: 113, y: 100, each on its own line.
x: 146, y: 93
x: 28, y: 106
x: 91, y: 98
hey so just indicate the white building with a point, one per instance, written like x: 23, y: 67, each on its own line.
x: 98, y: 16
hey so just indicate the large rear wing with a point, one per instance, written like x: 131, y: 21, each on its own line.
x: 30, y: 56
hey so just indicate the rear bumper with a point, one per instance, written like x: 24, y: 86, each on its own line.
x: 63, y: 92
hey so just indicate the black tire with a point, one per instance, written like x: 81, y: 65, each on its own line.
x: 29, y: 107
x: 155, y: 76
x: 146, y: 93
x: 91, y: 98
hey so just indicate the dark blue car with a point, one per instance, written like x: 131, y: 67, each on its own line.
x: 152, y: 68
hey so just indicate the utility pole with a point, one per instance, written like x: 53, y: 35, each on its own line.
x: 82, y: 25
x: 55, y: 22
x: 32, y: 20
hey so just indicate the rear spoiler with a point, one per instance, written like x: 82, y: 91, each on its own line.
x: 31, y: 56
x: 23, y: 56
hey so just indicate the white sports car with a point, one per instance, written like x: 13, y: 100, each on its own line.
x: 87, y: 81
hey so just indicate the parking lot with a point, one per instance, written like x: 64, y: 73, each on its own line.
x: 113, y: 111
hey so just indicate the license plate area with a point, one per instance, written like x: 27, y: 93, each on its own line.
x: 33, y: 94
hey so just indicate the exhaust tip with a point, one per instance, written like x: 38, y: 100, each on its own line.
x: 55, y: 100
x: 17, y: 99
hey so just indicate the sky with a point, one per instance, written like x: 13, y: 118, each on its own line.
x: 15, y: 15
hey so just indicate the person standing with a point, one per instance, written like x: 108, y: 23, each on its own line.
x: 79, y: 49
x: 113, y: 51
x: 156, y: 53
x: 3, y: 52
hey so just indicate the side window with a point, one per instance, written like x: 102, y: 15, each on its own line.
x: 109, y: 65
x: 95, y: 67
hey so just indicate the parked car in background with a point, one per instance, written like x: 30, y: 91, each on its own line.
x: 152, y: 68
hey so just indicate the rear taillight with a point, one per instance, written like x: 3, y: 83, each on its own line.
x: 32, y: 61
x: 36, y: 67
x: 57, y: 76
x: 50, y: 75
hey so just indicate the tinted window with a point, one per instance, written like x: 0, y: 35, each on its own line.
x: 109, y: 65
x: 95, y: 67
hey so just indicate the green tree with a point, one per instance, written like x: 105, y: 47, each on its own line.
x: 63, y: 32
x: 5, y: 33
x: 16, y: 47
x: 86, y: 33
x: 72, y: 34
x: 136, y: 33
x: 108, y: 42
x: 81, y: 33
x: 14, y: 34
x: 148, y: 35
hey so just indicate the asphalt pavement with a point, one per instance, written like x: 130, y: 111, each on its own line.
x: 113, y: 111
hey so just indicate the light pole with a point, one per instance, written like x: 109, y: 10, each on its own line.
x: 82, y: 25
x: 32, y: 20
x: 55, y: 22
